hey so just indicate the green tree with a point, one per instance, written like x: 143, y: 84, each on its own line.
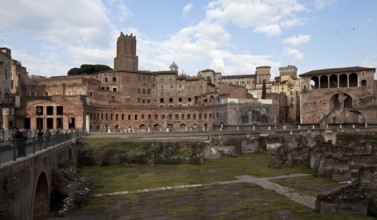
x: 88, y: 69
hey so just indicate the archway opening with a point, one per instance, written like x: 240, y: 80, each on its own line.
x: 41, y: 202
x: 324, y: 82
x: 156, y: 127
x: 353, y: 80
x: 314, y: 82
x: 333, y: 81
x: 170, y: 127
x: 143, y: 128
x: 182, y: 127
x: 343, y: 80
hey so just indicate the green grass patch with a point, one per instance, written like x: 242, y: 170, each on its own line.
x: 126, y: 178
x: 109, y: 143
x: 308, y: 185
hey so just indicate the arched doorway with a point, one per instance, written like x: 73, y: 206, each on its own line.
x: 156, y: 127
x: 182, y: 127
x: 143, y: 128
x: 170, y: 127
x: 41, y: 201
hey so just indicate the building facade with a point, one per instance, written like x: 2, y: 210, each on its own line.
x: 288, y: 84
x: 128, y: 100
x: 338, y: 96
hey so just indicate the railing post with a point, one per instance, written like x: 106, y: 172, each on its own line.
x: 14, y: 149
x: 33, y: 140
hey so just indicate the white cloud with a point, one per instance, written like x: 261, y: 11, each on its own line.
x: 263, y: 16
x: 72, y: 22
x: 296, y: 53
x: 296, y: 41
x: 320, y: 4
x: 187, y: 9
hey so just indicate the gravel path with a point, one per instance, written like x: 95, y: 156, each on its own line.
x: 308, y: 201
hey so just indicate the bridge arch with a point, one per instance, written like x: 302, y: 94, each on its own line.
x: 41, y: 198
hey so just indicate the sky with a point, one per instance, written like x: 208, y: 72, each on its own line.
x: 233, y: 37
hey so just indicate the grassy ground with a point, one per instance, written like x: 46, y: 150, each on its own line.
x: 233, y: 201
x: 125, y: 178
x: 308, y: 185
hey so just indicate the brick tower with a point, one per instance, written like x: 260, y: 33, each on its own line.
x: 126, y: 58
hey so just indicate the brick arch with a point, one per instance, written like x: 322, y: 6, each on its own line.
x: 41, y: 198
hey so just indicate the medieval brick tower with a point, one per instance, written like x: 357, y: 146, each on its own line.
x: 126, y: 58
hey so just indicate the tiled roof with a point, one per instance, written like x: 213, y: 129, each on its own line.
x: 337, y: 70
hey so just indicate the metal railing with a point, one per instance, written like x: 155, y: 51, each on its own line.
x: 32, y: 143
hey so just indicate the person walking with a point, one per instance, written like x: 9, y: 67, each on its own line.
x: 48, y: 136
x: 20, y: 143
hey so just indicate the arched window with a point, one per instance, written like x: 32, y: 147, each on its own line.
x: 149, y: 116
x: 116, y: 117
x: 122, y: 116
x: 135, y: 116
x: 324, y: 82
x: 194, y: 116
x: 304, y: 88
x: 188, y: 116
x: 343, y: 80
x: 170, y: 116
x: 314, y: 82
x: 155, y: 116
x: 363, y: 82
x: 129, y: 117
x: 163, y: 116
x: 205, y: 116
x: 176, y: 117
x: 142, y: 116
x: 333, y: 81
x: 114, y: 79
x: 353, y: 80
x: 183, y: 116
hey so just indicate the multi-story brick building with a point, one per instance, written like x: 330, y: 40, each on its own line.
x: 288, y: 84
x: 338, y: 96
x: 127, y: 99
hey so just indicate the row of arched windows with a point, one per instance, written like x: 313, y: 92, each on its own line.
x: 128, y: 117
x: 335, y: 81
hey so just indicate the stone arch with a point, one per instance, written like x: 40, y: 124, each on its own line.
x: 170, y: 127
x: 205, y: 126
x: 314, y: 82
x: 304, y: 88
x: 182, y: 127
x: 333, y: 81
x: 41, y: 197
x: 194, y: 127
x: 324, y: 82
x: 343, y: 80
x: 353, y: 80
x: 156, y: 127
x: 143, y: 128
x: 341, y: 100
x: 363, y: 82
